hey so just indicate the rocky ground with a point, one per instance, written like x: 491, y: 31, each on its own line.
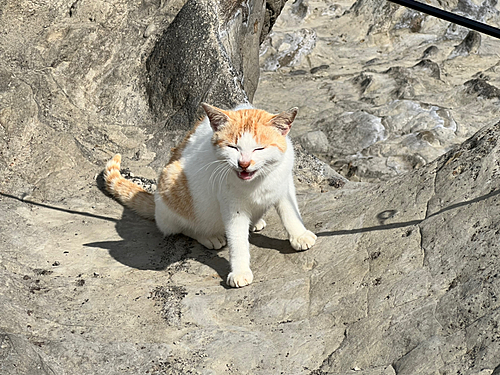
x: 382, y: 89
x: 404, y: 276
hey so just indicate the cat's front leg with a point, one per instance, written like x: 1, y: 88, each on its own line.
x: 288, y: 210
x: 236, y: 224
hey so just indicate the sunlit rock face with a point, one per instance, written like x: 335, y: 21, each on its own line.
x: 404, y: 276
x: 429, y: 84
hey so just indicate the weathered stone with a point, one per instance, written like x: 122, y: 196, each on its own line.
x: 19, y: 356
x: 287, y: 49
x: 470, y: 44
x: 378, y: 62
x: 315, y: 141
x: 351, y: 132
x: 311, y: 170
x: 273, y: 10
x: 450, y: 255
x: 432, y: 67
x: 480, y: 87
x: 403, y: 278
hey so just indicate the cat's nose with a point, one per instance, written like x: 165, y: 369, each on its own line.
x: 244, y: 164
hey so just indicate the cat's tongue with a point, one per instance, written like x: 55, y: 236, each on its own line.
x: 245, y: 175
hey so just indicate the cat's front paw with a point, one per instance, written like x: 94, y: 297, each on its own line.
x: 303, y: 242
x: 238, y: 279
x: 258, y: 226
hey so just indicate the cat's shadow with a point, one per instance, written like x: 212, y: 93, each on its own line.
x: 261, y: 240
x: 142, y: 246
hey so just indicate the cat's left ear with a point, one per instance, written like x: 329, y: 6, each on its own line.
x: 283, y: 121
x: 217, y: 117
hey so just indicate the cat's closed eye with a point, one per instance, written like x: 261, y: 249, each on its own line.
x: 259, y: 149
x: 233, y: 147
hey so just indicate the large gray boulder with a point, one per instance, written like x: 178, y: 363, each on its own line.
x: 80, y: 81
x: 208, y: 53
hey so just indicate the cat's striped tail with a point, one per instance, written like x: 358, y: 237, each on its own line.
x: 126, y: 192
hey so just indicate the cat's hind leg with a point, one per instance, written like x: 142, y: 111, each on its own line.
x: 258, y: 226
x: 215, y: 242
x: 170, y: 223
x: 167, y: 221
x: 258, y: 222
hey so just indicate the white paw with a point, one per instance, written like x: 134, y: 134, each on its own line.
x: 215, y: 242
x: 303, y: 242
x: 237, y: 279
x: 259, y: 225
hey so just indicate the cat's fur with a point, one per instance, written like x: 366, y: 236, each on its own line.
x: 229, y: 170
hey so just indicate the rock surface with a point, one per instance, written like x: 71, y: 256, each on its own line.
x: 404, y: 276
x: 411, y: 86
x: 82, y: 80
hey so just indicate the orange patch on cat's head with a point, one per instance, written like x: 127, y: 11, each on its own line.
x: 267, y: 129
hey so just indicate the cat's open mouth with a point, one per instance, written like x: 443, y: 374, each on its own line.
x: 245, y: 175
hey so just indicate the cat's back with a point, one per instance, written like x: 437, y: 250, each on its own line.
x: 198, y: 149
x: 198, y: 160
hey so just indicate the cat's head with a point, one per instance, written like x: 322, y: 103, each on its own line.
x: 252, y: 141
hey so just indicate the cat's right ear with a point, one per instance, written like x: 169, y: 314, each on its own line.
x: 283, y: 121
x: 217, y: 118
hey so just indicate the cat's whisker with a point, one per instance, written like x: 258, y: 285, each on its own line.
x: 210, y: 180
x: 213, y: 162
x: 224, y: 179
x: 223, y: 175
x: 213, y: 178
x: 205, y: 167
x: 228, y: 170
x: 219, y: 179
x: 216, y: 177
x: 216, y: 169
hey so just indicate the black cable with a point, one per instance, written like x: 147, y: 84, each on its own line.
x: 451, y: 17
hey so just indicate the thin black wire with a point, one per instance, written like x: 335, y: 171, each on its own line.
x: 451, y: 17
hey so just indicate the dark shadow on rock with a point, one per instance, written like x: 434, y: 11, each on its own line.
x: 144, y: 247
x: 406, y: 223
x: 383, y: 216
x: 260, y: 240
x: 86, y: 214
x: 101, y: 184
x: 368, y: 229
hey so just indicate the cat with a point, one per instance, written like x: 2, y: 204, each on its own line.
x: 229, y: 170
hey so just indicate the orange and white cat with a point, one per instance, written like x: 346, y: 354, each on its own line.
x: 229, y: 170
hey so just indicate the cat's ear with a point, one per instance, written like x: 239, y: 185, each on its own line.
x: 283, y: 121
x: 218, y: 119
